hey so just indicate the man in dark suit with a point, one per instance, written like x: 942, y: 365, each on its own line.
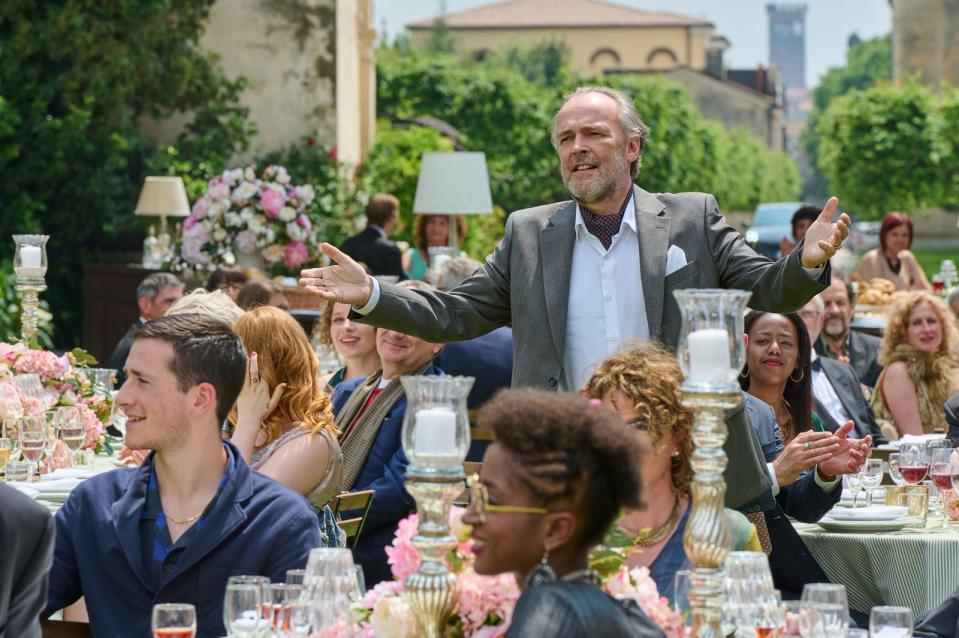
x: 373, y: 246
x: 952, y: 418
x: 838, y: 341
x: 941, y: 622
x: 576, y: 280
x: 26, y: 542
x: 837, y: 392
x: 155, y: 295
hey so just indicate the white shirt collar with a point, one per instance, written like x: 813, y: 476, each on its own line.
x: 629, y: 216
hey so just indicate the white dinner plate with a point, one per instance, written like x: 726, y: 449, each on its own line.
x: 53, y: 497
x: 831, y: 525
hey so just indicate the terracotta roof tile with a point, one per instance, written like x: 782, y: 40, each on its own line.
x: 558, y: 13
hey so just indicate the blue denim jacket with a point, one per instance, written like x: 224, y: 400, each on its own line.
x: 256, y: 526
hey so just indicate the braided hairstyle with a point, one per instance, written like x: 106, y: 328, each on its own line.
x: 567, y: 447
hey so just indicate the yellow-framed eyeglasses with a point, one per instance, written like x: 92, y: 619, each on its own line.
x: 479, y: 499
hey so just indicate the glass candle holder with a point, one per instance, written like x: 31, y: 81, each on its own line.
x: 711, y: 348
x: 436, y: 433
x: 30, y: 258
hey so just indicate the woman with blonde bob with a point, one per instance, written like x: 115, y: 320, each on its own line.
x: 921, y: 370
x: 643, y: 386
x: 283, y: 420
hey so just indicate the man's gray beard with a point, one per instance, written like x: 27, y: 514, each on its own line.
x: 597, y: 193
x: 834, y: 333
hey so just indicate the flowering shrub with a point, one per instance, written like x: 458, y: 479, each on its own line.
x: 64, y: 384
x: 240, y: 211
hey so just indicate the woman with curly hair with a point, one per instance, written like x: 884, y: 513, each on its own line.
x: 643, y: 386
x: 921, y: 370
x: 283, y: 420
x: 551, y: 484
x: 355, y: 343
x: 429, y: 231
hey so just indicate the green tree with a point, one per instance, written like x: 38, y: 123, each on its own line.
x: 881, y: 148
x: 76, y: 81
x: 867, y: 62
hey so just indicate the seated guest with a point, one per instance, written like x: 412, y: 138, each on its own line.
x: 430, y: 231
x: 893, y: 260
x: 354, y: 342
x: 921, y: 368
x: 373, y: 246
x: 643, y: 387
x: 838, y: 341
x: 155, y: 294
x: 229, y: 279
x: 952, y: 419
x: 175, y: 528
x: 261, y: 292
x: 369, y: 413
x: 487, y: 358
x: 953, y: 302
x: 941, y: 622
x: 801, y: 220
x: 550, y: 487
x: 284, y: 421
x: 26, y: 539
x: 837, y: 393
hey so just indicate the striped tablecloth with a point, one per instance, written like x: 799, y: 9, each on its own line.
x: 910, y: 568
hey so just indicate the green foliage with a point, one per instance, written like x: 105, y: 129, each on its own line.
x: 867, y: 62
x: 546, y: 64
x: 10, y: 312
x: 882, y: 148
x: 76, y: 81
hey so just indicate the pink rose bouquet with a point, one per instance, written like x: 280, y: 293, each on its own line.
x: 244, y: 212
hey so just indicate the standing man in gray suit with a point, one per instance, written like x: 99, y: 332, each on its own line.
x: 579, y: 279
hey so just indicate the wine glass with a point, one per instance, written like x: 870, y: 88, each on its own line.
x: 295, y: 576
x: 72, y: 429
x: 174, y: 620
x: 828, y: 600
x: 854, y: 483
x: 942, y: 467
x: 872, y: 472
x: 890, y: 622
x: 6, y: 449
x: 894, y: 469
x: 242, y: 609
x: 33, y: 440
x: 266, y: 606
x: 913, y: 462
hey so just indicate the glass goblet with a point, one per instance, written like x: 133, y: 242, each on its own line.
x: 894, y: 469
x: 890, y: 622
x: 174, y: 620
x: 872, y: 473
x: 831, y: 603
x: 242, y: 609
x: 943, y: 465
x: 913, y: 462
x: 6, y: 449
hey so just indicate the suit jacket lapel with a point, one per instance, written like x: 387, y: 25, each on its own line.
x: 652, y: 226
x: 556, y: 256
x: 126, y: 520
x: 843, y: 392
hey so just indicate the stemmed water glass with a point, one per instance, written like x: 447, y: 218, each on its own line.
x: 6, y: 449
x: 242, y: 609
x: 890, y: 622
x: 913, y: 462
x: 854, y: 483
x: 173, y: 620
x: 943, y: 465
x: 894, y: 469
x: 33, y: 440
x: 828, y: 610
x: 872, y: 472
x: 71, y: 429
x: 265, y: 617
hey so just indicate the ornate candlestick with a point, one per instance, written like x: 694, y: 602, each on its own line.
x: 30, y: 268
x: 711, y: 353
x: 436, y: 437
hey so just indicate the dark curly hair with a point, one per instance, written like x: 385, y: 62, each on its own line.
x: 568, y: 447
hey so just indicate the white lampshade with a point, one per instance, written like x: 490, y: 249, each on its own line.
x: 163, y: 196
x: 453, y: 184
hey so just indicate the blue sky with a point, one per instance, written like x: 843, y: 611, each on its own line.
x: 743, y: 22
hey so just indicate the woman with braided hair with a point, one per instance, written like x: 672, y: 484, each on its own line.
x: 552, y: 483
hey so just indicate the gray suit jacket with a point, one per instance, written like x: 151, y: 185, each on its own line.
x: 843, y: 379
x: 863, y: 352
x: 525, y: 284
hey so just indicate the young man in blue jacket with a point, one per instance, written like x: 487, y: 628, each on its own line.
x: 193, y: 514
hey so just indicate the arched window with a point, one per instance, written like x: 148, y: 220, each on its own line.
x: 661, y: 58
x: 605, y: 58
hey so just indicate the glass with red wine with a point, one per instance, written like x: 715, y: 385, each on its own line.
x: 174, y: 620
x: 944, y: 469
x: 913, y: 462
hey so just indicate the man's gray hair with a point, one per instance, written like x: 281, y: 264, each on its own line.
x: 628, y: 119
x: 215, y: 304
x: 456, y: 271
x: 150, y: 287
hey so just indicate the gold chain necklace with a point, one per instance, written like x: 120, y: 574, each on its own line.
x: 183, y: 521
x: 649, y: 536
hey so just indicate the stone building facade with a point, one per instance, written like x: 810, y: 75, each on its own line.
x: 926, y: 40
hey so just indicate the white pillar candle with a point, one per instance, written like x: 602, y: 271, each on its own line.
x: 30, y: 257
x: 435, y: 431
x: 708, y: 356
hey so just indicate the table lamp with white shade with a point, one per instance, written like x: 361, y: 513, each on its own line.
x: 163, y: 197
x: 452, y: 184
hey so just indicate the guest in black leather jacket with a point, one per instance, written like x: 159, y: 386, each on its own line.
x: 550, y: 487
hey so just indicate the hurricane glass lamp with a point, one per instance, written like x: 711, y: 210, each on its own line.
x: 711, y: 352
x: 435, y: 439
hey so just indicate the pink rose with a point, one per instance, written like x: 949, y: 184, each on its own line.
x: 272, y: 202
x: 219, y: 190
x: 304, y: 222
x: 199, y: 209
x: 190, y: 221
x: 295, y: 254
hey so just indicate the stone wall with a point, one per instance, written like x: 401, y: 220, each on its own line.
x: 926, y: 40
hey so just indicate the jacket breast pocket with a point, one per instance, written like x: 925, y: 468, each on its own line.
x: 674, y: 279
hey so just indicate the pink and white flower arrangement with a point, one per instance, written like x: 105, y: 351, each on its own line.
x: 243, y: 211
x: 638, y: 585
